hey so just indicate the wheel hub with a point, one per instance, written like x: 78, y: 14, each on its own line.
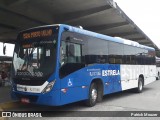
x: 94, y: 95
x: 140, y: 85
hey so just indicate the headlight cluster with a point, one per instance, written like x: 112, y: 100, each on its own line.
x: 49, y: 87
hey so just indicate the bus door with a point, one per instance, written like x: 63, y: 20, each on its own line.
x: 70, y: 63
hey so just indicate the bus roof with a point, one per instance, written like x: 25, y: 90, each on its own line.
x: 105, y: 37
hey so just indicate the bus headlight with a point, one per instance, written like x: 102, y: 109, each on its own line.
x: 49, y: 87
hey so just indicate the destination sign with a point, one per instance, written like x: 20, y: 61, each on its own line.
x: 36, y: 34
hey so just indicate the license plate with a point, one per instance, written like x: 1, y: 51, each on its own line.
x: 25, y: 100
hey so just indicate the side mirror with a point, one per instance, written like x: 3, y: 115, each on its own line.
x: 4, y: 48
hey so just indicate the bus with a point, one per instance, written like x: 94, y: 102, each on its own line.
x: 61, y: 64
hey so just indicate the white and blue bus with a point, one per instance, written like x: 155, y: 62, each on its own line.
x: 60, y: 64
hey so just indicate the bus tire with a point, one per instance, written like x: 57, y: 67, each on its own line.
x: 93, y: 95
x: 158, y: 76
x: 139, y: 89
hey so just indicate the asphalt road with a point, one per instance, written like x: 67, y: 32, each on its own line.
x: 148, y: 100
x: 5, y: 94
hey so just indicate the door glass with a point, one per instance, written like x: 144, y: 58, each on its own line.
x: 70, y: 53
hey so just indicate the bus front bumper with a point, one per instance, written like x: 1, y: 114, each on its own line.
x: 51, y: 98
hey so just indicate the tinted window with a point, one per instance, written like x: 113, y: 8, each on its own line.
x: 115, y: 53
x: 97, y: 51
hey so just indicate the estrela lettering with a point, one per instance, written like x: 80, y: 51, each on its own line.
x: 110, y: 72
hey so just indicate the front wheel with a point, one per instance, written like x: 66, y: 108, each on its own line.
x: 93, y: 95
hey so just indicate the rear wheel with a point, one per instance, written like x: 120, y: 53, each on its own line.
x: 93, y: 95
x: 158, y: 78
x: 140, y: 86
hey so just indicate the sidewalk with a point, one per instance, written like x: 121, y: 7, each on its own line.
x: 5, y: 94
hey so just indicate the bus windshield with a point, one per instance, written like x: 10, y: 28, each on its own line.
x: 35, y: 58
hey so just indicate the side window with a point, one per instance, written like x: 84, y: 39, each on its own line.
x: 151, y: 55
x: 115, y: 53
x: 97, y: 51
x: 70, y: 53
x: 63, y: 53
x: 130, y: 54
x: 140, y: 56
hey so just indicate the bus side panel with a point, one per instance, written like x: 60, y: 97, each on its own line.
x: 150, y: 74
x: 75, y: 87
x: 74, y: 94
x: 130, y: 74
x: 112, y: 78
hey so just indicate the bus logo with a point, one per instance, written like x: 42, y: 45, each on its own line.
x: 70, y: 82
x: 110, y: 72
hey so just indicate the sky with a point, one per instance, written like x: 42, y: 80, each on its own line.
x: 144, y: 13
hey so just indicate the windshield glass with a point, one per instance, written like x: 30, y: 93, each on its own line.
x: 35, y: 57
